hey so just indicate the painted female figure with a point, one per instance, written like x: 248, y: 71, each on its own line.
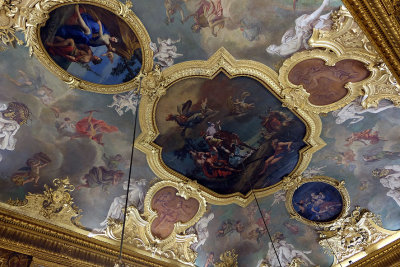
x: 84, y: 29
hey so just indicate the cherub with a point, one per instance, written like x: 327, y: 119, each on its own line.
x: 166, y: 51
x: 239, y: 106
x: 30, y: 173
x: 128, y: 101
x: 171, y: 7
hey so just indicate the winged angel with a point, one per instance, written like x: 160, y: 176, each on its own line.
x: 187, y: 118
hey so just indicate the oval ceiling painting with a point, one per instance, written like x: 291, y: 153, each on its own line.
x: 318, y: 202
x: 229, y: 135
x: 92, y: 43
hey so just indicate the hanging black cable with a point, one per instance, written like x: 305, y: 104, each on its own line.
x: 130, y: 174
x: 263, y: 219
x: 266, y: 227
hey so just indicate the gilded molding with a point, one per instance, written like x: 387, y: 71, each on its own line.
x: 30, y: 16
x: 291, y: 188
x: 138, y: 226
x: 156, y: 84
x: 49, y: 243
x: 355, y: 236
x: 347, y: 41
x: 388, y: 255
x: 378, y: 19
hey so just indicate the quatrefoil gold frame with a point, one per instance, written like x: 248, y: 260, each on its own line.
x: 224, y: 62
x: 138, y: 226
x: 300, y: 95
x: 339, y: 185
x: 38, y: 16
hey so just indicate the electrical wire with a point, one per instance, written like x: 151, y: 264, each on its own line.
x: 266, y: 227
x: 130, y: 173
x: 263, y: 219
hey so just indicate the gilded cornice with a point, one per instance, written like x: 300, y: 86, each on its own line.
x: 60, y: 246
x: 388, y: 255
x: 377, y: 19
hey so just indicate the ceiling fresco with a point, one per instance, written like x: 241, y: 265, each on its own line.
x: 265, y: 31
x: 109, y: 54
x: 230, y: 135
x: 216, y: 118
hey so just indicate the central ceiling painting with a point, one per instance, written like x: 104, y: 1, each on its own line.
x: 230, y: 135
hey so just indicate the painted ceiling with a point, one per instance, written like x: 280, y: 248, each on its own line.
x: 231, y: 128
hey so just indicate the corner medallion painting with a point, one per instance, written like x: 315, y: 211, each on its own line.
x: 229, y: 135
x: 92, y: 43
x: 320, y: 201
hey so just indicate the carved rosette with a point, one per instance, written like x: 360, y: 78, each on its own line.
x: 351, y: 238
x: 138, y: 226
x: 347, y: 40
x: 55, y: 204
x: 155, y: 84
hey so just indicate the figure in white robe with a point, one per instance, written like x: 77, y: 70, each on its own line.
x: 8, y: 130
x: 354, y: 111
x: 202, y: 231
x: 390, y: 178
x: 286, y: 253
x: 116, y: 211
x: 166, y: 52
x: 297, y: 37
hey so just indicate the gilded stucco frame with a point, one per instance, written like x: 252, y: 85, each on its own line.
x: 38, y: 16
x: 345, y: 40
x: 300, y: 95
x: 221, y: 61
x: 339, y: 185
x: 138, y: 226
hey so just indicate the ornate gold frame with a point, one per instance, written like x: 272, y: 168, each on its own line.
x: 155, y: 85
x: 379, y: 21
x: 299, y: 95
x: 356, y: 236
x: 348, y: 41
x: 37, y: 17
x: 324, y: 179
x: 138, y: 226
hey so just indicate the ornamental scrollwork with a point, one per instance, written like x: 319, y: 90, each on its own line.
x: 139, y: 230
x: 156, y: 84
x: 353, y: 235
x: 9, y: 11
x: 29, y: 17
x: 228, y: 259
x: 55, y: 204
x: 347, y: 40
